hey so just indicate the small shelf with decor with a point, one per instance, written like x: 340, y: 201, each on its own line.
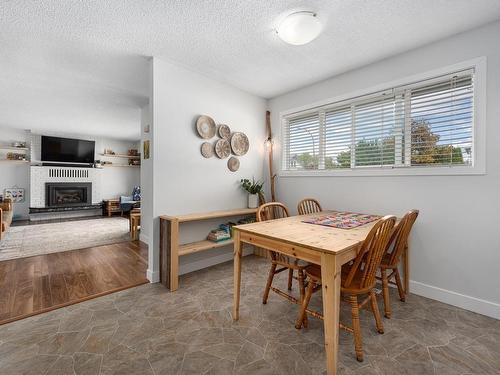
x: 133, y: 158
x: 171, y: 249
x: 14, y: 154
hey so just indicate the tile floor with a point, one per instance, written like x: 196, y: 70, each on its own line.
x: 147, y: 330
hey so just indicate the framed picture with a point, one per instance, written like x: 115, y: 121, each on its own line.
x: 15, y: 194
x: 146, y: 149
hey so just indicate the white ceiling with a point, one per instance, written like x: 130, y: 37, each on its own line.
x: 79, y: 66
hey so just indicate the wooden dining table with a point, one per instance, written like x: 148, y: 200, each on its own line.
x: 328, y: 247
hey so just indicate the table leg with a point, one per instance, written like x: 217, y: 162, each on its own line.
x: 330, y: 280
x: 237, y: 274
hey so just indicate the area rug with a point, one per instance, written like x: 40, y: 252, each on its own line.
x: 30, y: 240
x: 343, y: 220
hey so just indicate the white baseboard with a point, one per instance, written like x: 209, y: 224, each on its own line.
x: 474, y: 304
x: 143, y: 238
x: 208, y: 262
x: 153, y: 276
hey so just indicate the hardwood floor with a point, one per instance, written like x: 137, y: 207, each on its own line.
x: 29, y: 286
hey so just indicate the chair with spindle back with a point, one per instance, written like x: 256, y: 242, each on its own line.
x: 272, y: 211
x: 357, y: 279
x: 397, y: 246
x: 308, y: 206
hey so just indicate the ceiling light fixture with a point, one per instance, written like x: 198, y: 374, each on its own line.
x: 299, y: 28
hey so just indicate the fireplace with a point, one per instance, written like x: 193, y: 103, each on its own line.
x: 68, y: 194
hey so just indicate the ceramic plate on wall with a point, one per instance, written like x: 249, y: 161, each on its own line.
x: 239, y: 143
x: 207, y: 149
x: 233, y: 164
x: 224, y: 131
x: 222, y: 148
x: 205, y: 125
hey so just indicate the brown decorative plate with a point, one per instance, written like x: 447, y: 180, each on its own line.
x: 224, y: 131
x: 207, y: 149
x: 205, y: 126
x: 222, y: 148
x: 239, y: 143
x: 233, y: 164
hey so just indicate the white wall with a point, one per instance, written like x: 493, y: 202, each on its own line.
x: 455, y: 248
x: 14, y: 174
x: 146, y: 177
x: 184, y: 181
x: 114, y: 181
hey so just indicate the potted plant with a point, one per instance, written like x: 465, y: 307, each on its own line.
x: 254, y: 188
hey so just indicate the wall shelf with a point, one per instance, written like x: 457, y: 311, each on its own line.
x: 14, y: 161
x: 121, y: 156
x: 14, y: 148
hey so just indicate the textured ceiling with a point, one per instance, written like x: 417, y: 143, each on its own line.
x: 79, y: 65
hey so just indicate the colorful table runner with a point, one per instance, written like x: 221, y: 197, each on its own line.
x: 342, y: 220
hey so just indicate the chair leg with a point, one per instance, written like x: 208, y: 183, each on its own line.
x: 305, y: 303
x: 402, y: 292
x: 376, y: 312
x: 290, y: 278
x: 385, y: 293
x: 358, y: 343
x: 302, y: 290
x: 270, y: 278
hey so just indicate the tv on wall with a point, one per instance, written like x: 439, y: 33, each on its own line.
x: 66, y: 150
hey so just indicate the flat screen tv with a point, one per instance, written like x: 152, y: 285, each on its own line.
x: 66, y: 150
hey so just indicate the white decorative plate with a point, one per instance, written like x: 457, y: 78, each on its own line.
x: 207, y: 149
x: 222, y: 148
x: 239, y: 143
x: 233, y: 164
x: 205, y: 126
x: 224, y: 131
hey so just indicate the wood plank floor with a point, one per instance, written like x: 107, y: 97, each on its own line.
x: 29, y: 286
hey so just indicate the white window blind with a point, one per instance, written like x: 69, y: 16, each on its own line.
x: 427, y: 123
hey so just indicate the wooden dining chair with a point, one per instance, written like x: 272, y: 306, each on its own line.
x: 357, y: 279
x: 308, y: 206
x: 272, y: 211
x: 389, y: 268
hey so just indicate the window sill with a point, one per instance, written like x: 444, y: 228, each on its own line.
x: 387, y: 172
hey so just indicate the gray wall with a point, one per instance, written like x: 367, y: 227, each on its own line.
x: 455, y: 247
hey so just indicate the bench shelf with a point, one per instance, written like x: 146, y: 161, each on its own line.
x: 171, y: 249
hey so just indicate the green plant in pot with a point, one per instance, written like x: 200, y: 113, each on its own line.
x: 254, y: 189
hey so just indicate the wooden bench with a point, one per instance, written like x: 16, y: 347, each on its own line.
x: 171, y: 249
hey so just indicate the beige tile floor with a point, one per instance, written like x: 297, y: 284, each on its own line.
x: 147, y: 330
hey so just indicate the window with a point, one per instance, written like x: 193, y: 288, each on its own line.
x: 425, y: 124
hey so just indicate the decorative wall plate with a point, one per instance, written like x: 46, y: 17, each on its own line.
x: 233, y: 164
x: 239, y: 143
x: 224, y: 131
x: 222, y: 148
x: 207, y: 149
x: 205, y: 126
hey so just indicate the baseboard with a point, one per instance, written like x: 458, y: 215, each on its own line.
x: 208, y: 262
x: 476, y: 305
x: 153, y: 276
x: 144, y: 238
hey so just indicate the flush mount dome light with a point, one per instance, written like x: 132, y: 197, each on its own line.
x: 299, y: 28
